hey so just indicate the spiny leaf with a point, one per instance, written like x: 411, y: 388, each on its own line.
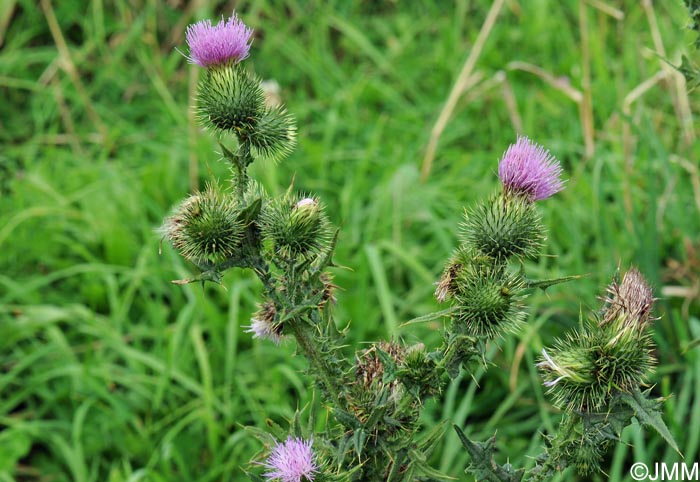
x: 648, y: 413
x: 483, y: 466
x: 546, y: 283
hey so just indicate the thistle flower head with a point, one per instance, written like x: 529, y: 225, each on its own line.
x: 292, y: 461
x: 528, y: 169
x: 212, y: 45
x: 263, y: 325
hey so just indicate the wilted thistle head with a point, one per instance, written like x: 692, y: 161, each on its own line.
x: 263, y: 324
x: 632, y: 299
x: 608, y: 354
x: 502, y: 227
x: 226, y: 42
x: 528, y: 169
x: 297, y: 228
x: 488, y: 300
x: 292, y: 461
x: 205, y: 227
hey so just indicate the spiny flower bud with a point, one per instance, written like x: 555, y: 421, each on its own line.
x: 274, y: 135
x: 205, y: 227
x: 613, y: 353
x: 503, y: 227
x: 263, y: 324
x: 527, y: 169
x: 227, y: 42
x: 488, y: 300
x: 296, y: 227
x: 229, y: 99
x: 418, y: 372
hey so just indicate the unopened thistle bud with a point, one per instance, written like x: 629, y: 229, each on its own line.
x: 263, y: 324
x: 296, y: 228
x: 205, y: 227
x: 528, y: 170
x: 608, y: 354
x: 503, y: 227
x: 274, y: 135
x: 488, y: 300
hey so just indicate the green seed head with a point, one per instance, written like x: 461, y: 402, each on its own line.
x: 489, y: 301
x: 229, y: 99
x: 503, y: 227
x: 205, y: 227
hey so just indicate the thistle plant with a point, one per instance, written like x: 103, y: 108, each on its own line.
x: 375, y: 396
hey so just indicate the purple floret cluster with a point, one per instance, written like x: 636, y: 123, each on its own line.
x: 210, y: 45
x: 528, y: 168
x: 292, y: 461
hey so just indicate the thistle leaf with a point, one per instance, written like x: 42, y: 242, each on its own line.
x: 648, y: 412
x: 483, y: 466
x: 546, y: 283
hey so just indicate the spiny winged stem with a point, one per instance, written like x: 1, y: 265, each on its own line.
x: 554, y: 457
x: 300, y: 329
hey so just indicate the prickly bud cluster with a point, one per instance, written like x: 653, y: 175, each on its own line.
x: 205, y: 228
x: 488, y: 300
x: 297, y: 228
x: 504, y: 227
x: 611, y: 353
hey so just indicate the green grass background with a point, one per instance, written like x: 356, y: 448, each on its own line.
x: 110, y: 373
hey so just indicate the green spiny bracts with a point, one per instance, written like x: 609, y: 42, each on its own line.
x: 297, y: 228
x: 419, y: 373
x: 447, y: 285
x: 229, y: 99
x: 205, y: 227
x: 274, y: 136
x: 503, y: 227
x: 488, y: 300
x: 612, y: 352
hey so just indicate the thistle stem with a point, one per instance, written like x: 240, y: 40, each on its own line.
x: 554, y: 456
x: 320, y: 366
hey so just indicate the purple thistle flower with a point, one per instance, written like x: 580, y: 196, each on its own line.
x: 262, y: 325
x: 529, y: 169
x: 211, y: 45
x: 292, y: 461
